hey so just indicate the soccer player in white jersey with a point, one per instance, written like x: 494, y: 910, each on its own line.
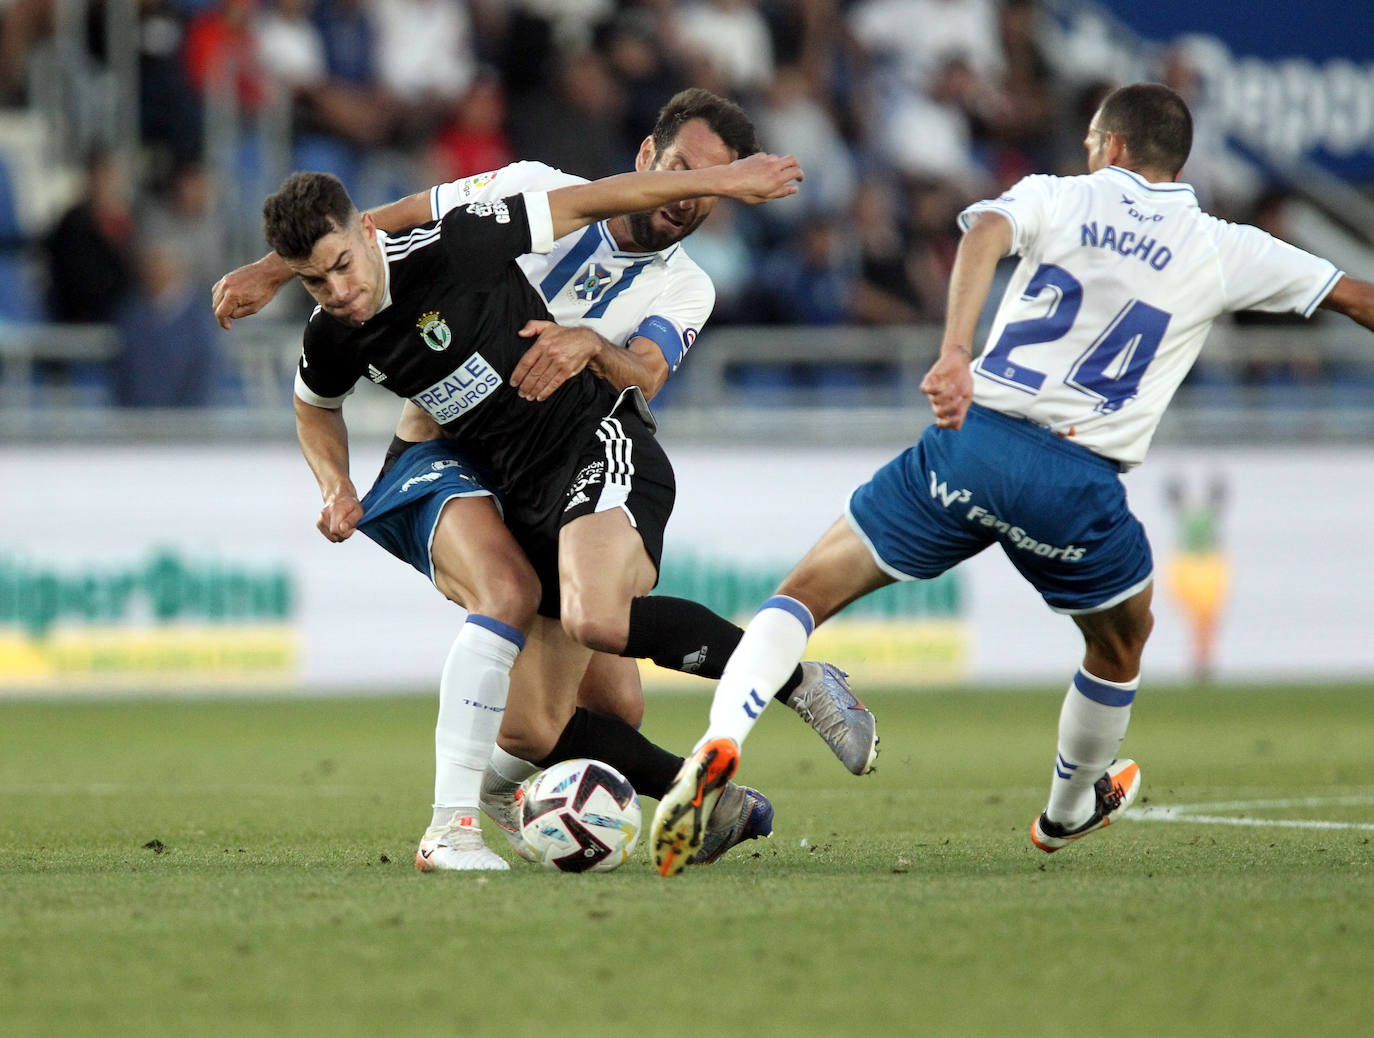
x: 628, y: 303
x: 1121, y: 276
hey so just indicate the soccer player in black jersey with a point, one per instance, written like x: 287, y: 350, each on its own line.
x: 433, y: 316
x: 458, y: 541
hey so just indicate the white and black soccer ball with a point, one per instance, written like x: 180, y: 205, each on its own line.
x: 580, y: 816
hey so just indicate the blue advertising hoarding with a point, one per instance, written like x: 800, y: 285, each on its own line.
x: 1289, y: 82
x: 1314, y: 29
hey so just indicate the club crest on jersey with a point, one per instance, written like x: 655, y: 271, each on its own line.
x: 591, y: 283
x: 434, y: 330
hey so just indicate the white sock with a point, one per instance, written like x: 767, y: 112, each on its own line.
x: 472, y: 700
x: 1092, y: 725
x: 770, y: 650
x: 505, y: 772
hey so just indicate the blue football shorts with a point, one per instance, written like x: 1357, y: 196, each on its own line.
x: 1057, y: 510
x: 620, y: 465
x: 401, y: 511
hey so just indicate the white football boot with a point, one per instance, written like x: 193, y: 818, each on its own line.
x: 457, y: 847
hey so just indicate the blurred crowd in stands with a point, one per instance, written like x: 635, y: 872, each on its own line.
x: 901, y: 112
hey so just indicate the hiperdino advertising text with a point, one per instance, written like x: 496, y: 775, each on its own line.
x: 203, y: 569
x: 167, y: 618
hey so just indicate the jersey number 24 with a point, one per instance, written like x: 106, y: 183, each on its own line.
x: 1109, y: 370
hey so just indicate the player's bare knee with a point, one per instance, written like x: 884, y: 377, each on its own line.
x: 595, y: 632
x: 1120, y: 648
x: 512, y: 598
x: 597, y: 629
x: 1134, y: 636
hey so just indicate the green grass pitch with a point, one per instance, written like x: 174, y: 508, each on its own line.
x: 244, y: 867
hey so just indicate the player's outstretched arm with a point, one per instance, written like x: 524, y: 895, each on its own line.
x: 246, y: 290
x: 324, y: 442
x: 753, y: 180
x: 949, y: 383
x: 1354, y: 298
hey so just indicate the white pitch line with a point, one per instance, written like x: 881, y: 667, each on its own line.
x: 1343, y: 800
x: 1197, y: 813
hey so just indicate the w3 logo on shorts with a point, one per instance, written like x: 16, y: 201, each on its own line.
x: 941, y: 492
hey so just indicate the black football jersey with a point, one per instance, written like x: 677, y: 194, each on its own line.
x: 447, y: 340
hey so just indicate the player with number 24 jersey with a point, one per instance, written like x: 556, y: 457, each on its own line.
x: 1141, y: 271
x: 1120, y: 278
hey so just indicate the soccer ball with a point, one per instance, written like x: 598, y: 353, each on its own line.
x: 580, y: 816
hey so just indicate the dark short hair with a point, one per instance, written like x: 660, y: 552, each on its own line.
x: 726, y: 120
x: 305, y: 208
x: 1153, y: 120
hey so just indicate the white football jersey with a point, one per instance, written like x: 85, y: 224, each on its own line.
x: 586, y: 280
x: 1119, y: 282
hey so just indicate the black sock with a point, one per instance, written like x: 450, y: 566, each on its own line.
x: 650, y: 768
x: 679, y: 634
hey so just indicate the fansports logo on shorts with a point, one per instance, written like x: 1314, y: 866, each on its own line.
x: 978, y: 515
x: 434, y: 330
